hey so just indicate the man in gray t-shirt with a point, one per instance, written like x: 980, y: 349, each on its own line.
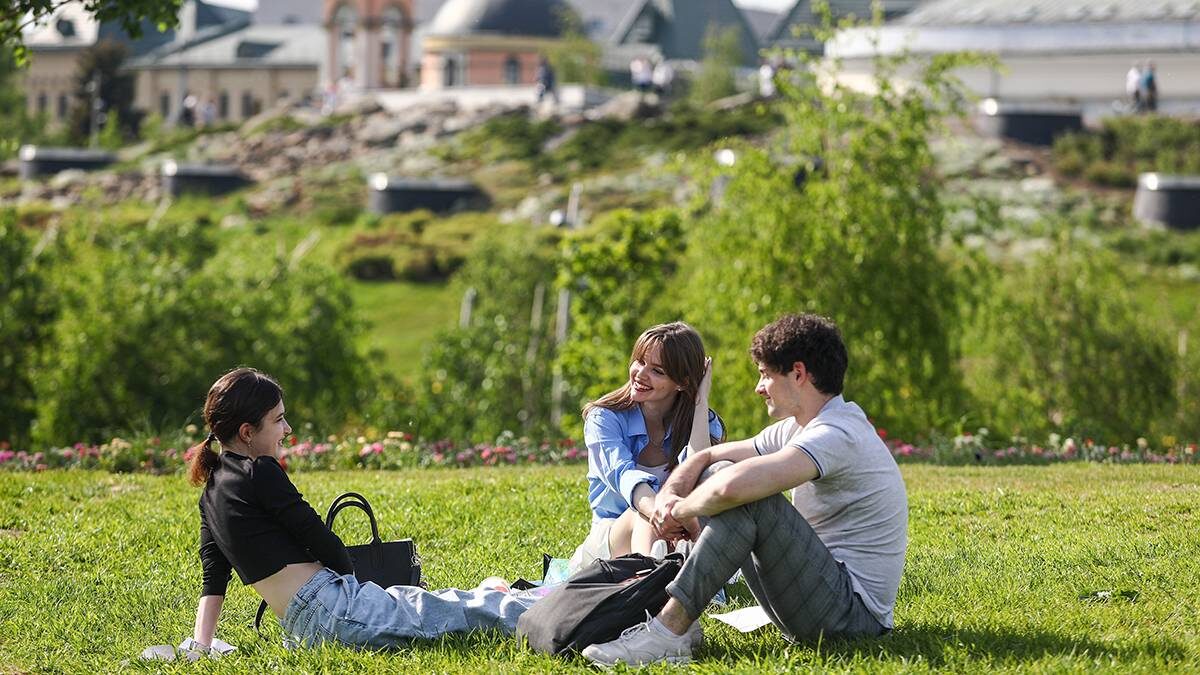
x: 826, y: 564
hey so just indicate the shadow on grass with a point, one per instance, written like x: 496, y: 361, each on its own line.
x: 945, y: 644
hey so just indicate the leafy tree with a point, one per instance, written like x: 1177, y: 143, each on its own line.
x: 102, y: 62
x: 859, y: 239
x: 717, y: 75
x: 21, y: 14
x: 16, y: 125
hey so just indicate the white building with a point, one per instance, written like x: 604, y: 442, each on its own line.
x: 1074, y: 52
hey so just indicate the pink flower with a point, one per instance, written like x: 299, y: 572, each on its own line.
x: 487, y: 452
x: 366, y: 450
x: 882, y: 433
x: 377, y: 448
x: 438, y: 458
x: 6, y: 455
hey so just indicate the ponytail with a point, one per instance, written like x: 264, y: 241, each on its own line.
x: 203, y: 461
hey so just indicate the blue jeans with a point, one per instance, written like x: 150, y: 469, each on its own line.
x: 333, y: 607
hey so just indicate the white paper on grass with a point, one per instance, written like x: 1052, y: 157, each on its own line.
x: 746, y: 619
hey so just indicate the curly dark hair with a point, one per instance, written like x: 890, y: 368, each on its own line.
x: 813, y: 340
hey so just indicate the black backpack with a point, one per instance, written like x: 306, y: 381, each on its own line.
x: 598, y: 602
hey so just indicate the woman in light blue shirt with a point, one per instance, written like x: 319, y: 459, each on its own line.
x: 632, y: 440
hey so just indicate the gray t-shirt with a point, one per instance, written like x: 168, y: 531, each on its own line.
x: 857, y: 505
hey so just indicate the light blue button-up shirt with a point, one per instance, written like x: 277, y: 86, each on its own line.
x: 615, y: 439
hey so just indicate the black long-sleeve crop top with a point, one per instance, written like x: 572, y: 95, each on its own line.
x: 253, y: 519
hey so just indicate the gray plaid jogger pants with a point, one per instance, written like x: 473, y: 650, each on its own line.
x: 796, y: 580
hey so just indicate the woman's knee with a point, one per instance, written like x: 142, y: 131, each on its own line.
x: 714, y: 468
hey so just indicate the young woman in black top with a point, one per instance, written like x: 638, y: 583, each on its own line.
x: 254, y: 521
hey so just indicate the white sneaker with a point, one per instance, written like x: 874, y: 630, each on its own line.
x: 642, y: 645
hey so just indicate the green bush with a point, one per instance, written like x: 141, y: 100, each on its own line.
x: 1063, y: 346
x: 27, y: 310
x: 150, y: 317
x: 1126, y: 146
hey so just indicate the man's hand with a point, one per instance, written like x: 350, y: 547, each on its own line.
x: 665, y: 525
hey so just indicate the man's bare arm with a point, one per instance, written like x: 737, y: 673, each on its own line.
x: 747, y: 481
x: 684, y: 477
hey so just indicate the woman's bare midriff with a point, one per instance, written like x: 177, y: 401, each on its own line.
x: 279, y: 588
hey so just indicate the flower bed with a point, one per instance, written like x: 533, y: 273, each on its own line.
x: 399, y: 450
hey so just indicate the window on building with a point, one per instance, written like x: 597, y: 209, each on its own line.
x: 62, y: 106
x: 283, y: 95
x: 450, y: 74
x: 43, y: 102
x: 512, y: 70
x: 250, y: 105
x: 223, y: 105
x: 164, y: 105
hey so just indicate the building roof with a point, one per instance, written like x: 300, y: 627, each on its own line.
x: 527, y: 18
x: 1030, y: 27
x: 1028, y: 12
x: 276, y: 12
x: 762, y: 22
x: 789, y: 31
x: 258, y: 46
x: 678, y: 27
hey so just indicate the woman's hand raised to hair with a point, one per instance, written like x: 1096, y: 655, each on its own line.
x: 705, y: 384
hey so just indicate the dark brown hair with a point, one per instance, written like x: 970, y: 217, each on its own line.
x: 241, y: 396
x: 683, y: 360
x: 813, y: 340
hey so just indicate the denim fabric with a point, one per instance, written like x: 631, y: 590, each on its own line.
x: 615, y: 439
x: 333, y: 607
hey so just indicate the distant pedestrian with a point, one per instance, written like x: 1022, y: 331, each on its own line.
x: 208, y: 112
x: 662, y: 78
x: 546, y: 84
x: 1133, y: 87
x: 640, y: 74
x: 187, y: 111
x: 766, y: 80
x: 1149, y: 88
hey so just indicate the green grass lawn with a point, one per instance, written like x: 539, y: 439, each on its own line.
x: 1002, y: 567
x: 403, y: 317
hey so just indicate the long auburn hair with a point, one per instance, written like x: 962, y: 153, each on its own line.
x: 241, y: 396
x: 683, y: 360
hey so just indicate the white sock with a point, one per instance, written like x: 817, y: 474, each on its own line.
x: 662, y: 628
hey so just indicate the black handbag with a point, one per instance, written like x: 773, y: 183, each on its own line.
x: 386, y: 563
x: 598, y: 602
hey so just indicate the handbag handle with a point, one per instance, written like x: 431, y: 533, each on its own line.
x: 356, y: 500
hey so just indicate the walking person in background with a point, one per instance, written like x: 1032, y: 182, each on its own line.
x: 825, y: 565
x: 1133, y: 87
x: 640, y: 74
x: 662, y: 78
x: 545, y: 78
x: 766, y: 80
x: 254, y: 521
x: 1149, y: 88
x: 635, y: 436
